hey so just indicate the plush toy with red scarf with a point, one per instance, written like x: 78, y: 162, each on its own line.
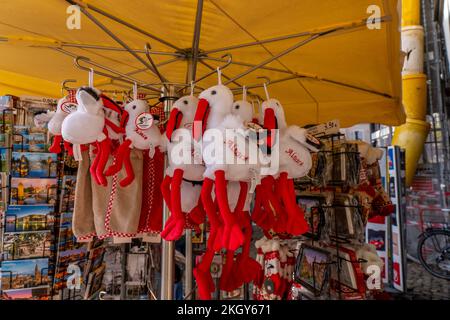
x: 89, y: 125
x: 66, y: 105
x: 142, y: 133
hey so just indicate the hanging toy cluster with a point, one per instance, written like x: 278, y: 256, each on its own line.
x: 119, y: 150
x: 225, y: 190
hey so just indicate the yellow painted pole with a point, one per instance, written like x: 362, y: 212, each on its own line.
x: 412, y: 135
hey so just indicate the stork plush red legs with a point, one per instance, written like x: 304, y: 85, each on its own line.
x: 294, y: 162
x: 214, y: 114
x: 141, y: 132
x: 88, y: 125
x: 65, y: 106
x: 181, y: 187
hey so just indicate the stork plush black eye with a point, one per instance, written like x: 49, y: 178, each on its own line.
x: 134, y: 107
x: 185, y: 102
x: 213, y: 92
x: 278, y: 104
x: 237, y: 106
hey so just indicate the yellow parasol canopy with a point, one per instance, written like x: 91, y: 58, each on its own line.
x: 323, y: 59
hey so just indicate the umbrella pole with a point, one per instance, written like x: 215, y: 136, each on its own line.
x: 168, y: 247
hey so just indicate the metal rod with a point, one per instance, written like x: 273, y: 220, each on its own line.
x: 117, y: 39
x: 196, y: 41
x: 127, y: 24
x: 163, y: 63
x: 226, y: 77
x: 246, y: 64
x: 282, y: 53
x: 109, y: 48
x: 168, y: 247
x: 227, y: 63
x: 120, y: 76
x: 155, y: 68
x: 293, y: 36
x: 259, y: 85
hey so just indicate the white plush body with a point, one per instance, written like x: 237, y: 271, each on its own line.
x: 294, y: 157
x: 182, y: 141
x: 86, y: 124
x: 190, y: 195
x: 147, y: 139
x: 55, y: 123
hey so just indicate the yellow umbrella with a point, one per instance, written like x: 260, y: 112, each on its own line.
x: 329, y: 59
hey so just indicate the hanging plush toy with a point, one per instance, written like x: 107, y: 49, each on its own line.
x: 215, y: 113
x: 182, y: 184
x: 66, y: 105
x: 141, y: 133
x: 294, y: 162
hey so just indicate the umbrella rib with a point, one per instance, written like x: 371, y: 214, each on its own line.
x: 358, y: 23
x: 118, y: 40
x: 82, y: 4
x: 300, y: 76
x: 226, y: 77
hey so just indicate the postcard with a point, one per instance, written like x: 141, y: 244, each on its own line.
x: 26, y: 245
x: 33, y: 142
x: 4, y: 159
x: 66, y: 258
x: 18, y: 274
x: 29, y: 218
x: 33, y: 191
x: 68, y: 193
x: 312, y: 266
x: 67, y: 240
x: 34, y: 164
x: 38, y: 293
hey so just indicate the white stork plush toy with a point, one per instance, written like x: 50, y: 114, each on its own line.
x: 88, y: 125
x: 182, y: 184
x: 66, y: 105
x: 214, y: 112
x: 295, y: 162
x: 141, y: 132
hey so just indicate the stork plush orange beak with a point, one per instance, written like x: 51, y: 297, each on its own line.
x: 174, y: 122
x: 270, y: 123
x: 201, y: 114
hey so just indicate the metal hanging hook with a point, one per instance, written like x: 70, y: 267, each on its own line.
x: 230, y: 61
x: 265, y: 84
x: 65, y: 87
x: 116, y: 75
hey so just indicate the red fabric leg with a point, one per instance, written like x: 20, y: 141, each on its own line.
x: 174, y: 231
x: 69, y: 148
x: 211, y: 212
x: 94, y: 165
x: 165, y: 189
x: 104, y: 151
x: 56, y: 144
x: 232, y: 234
x: 128, y: 169
x: 296, y: 223
x: 227, y: 278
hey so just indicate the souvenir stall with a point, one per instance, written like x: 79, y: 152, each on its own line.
x: 198, y: 161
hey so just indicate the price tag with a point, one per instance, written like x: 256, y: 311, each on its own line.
x: 329, y: 127
x: 144, y: 121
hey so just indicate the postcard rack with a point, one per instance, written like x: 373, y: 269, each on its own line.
x: 336, y: 183
x: 9, y: 121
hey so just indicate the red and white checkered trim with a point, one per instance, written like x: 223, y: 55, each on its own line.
x: 112, y: 197
x: 87, y: 236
